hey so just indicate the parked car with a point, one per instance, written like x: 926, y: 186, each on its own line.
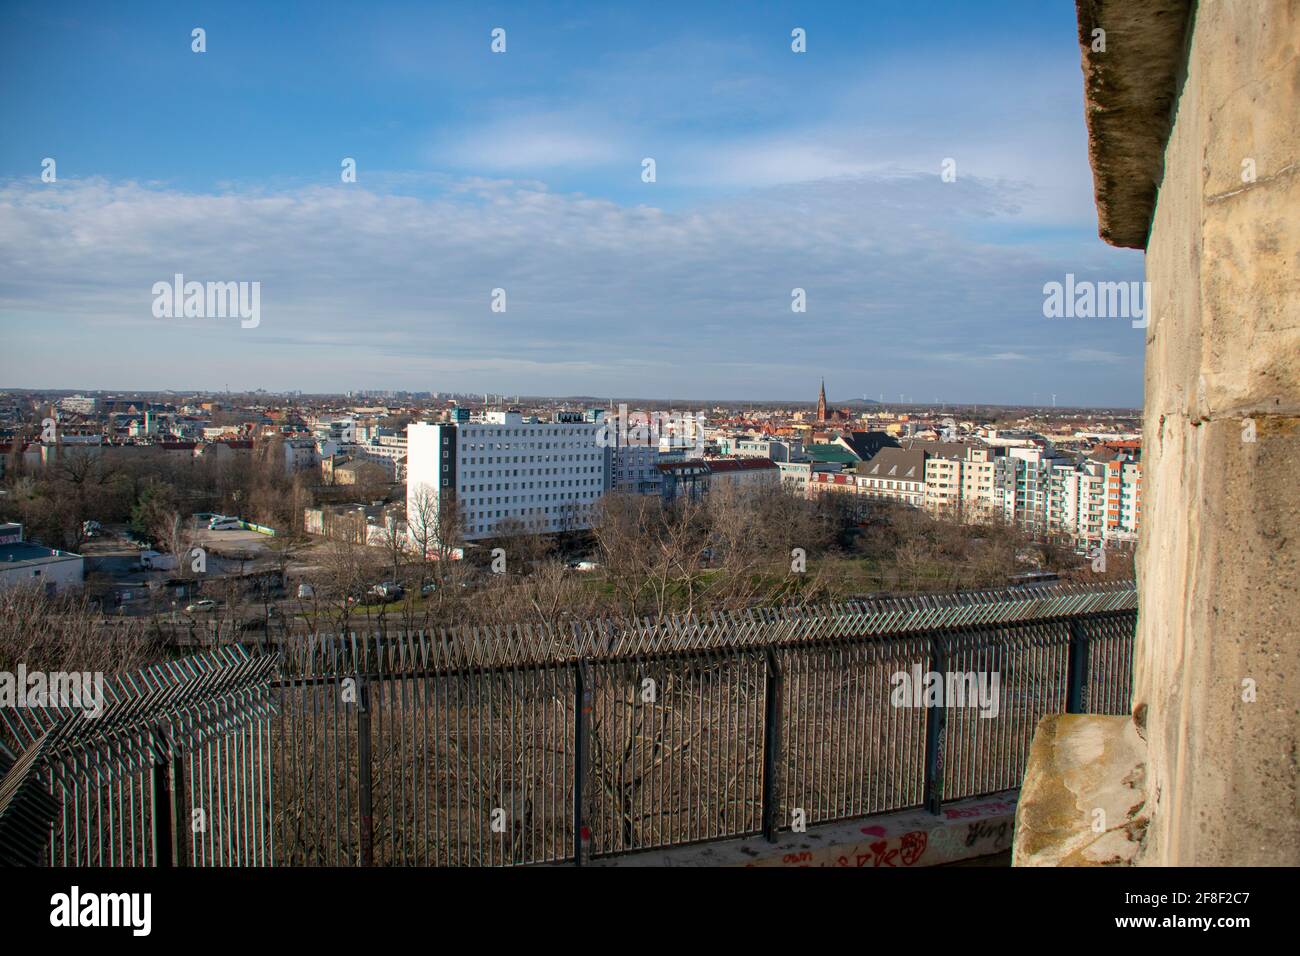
x: 389, y: 590
x: 428, y: 589
x: 204, y: 605
x: 306, y: 591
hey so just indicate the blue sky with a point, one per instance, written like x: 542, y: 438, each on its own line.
x: 522, y: 171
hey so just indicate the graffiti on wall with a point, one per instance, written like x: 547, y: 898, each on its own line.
x: 969, y: 831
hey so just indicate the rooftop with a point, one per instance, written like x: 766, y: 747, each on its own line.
x: 20, y: 552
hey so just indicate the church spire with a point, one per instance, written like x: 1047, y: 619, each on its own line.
x: 821, y: 403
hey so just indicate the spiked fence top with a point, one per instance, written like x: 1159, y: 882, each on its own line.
x: 536, y: 644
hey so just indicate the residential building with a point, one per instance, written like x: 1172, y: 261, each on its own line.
x: 634, y: 453
x: 546, y: 475
x: 23, y: 563
x: 961, y: 481
x: 777, y: 449
x: 694, y: 477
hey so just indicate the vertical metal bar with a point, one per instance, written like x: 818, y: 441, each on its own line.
x: 934, y: 725
x: 1077, y: 699
x: 163, y: 820
x: 581, y: 718
x: 772, y: 725
x: 364, y: 782
x: 176, y: 808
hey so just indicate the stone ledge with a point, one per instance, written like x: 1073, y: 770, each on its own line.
x: 1130, y: 89
x: 1082, y: 799
x: 964, y: 830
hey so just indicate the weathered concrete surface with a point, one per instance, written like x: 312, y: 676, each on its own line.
x: 1129, y: 91
x: 1218, y: 570
x: 965, y: 830
x: 1081, y: 802
x: 1217, y: 672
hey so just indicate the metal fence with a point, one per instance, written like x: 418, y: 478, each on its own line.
x: 172, y: 770
x: 536, y: 744
x: 532, y: 744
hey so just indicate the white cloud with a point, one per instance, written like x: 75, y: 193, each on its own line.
x: 368, y: 289
x: 536, y: 142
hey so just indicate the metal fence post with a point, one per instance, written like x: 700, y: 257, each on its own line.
x: 176, y: 806
x: 365, y: 784
x: 581, y: 731
x: 1076, y: 700
x: 935, y: 724
x: 772, y: 748
x: 161, y: 814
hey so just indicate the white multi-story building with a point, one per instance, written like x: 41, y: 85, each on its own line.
x: 547, y: 476
x: 963, y: 487
x: 1096, y: 502
x: 386, y: 450
x: 1077, y: 500
x: 78, y: 405
x: 1025, y: 483
x: 797, y: 475
x: 777, y: 449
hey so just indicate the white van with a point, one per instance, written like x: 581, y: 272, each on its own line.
x: 225, y: 524
x: 157, y: 561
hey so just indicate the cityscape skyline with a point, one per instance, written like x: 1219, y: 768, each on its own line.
x: 505, y: 399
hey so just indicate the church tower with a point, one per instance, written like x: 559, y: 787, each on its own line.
x: 821, y: 403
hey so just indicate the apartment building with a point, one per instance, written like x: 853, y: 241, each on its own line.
x: 694, y: 477
x: 962, y: 483
x: 634, y: 453
x: 796, y: 475
x: 1123, y: 501
x: 1025, y: 484
x: 388, y: 451
x: 894, y: 474
x: 777, y: 449
x: 744, y: 473
x: 634, y: 469
x: 546, y: 475
x: 1093, y: 500
x: 891, y: 474
x: 1077, y: 500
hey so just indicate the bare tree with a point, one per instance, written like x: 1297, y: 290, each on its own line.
x: 395, y: 543
x: 436, y: 530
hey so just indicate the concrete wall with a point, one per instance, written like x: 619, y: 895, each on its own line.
x: 1217, y: 565
x: 65, y: 574
x: 965, y: 830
